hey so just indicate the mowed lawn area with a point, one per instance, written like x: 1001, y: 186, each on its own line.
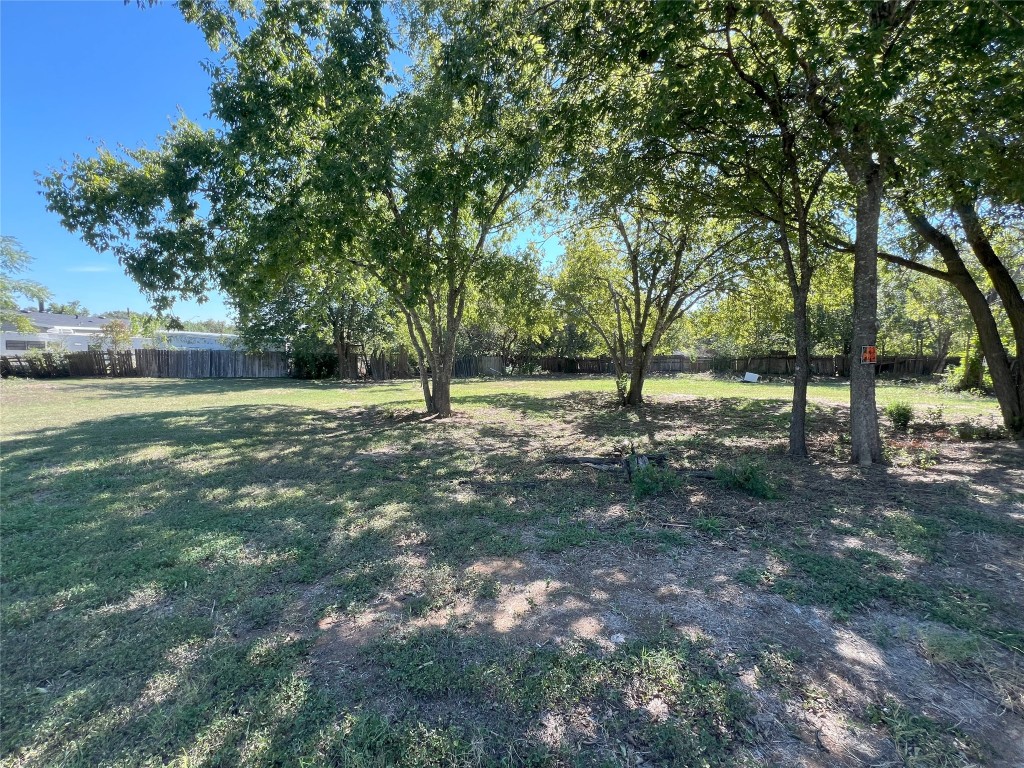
x: 283, y: 573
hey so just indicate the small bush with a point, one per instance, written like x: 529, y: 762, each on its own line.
x: 653, y: 480
x: 900, y: 413
x: 746, y: 475
x: 975, y: 430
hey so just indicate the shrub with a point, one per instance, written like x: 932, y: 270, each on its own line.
x: 934, y: 416
x: 969, y: 376
x: 313, y: 359
x: 975, y: 430
x: 653, y: 480
x: 746, y: 475
x: 900, y: 413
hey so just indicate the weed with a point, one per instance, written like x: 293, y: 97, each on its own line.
x: 753, y: 577
x: 900, y: 414
x: 976, y: 430
x: 711, y: 525
x: 945, y: 647
x: 263, y: 611
x: 653, y: 480
x: 746, y: 475
x: 934, y: 417
x: 921, y: 741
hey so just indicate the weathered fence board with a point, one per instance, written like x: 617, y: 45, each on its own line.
x: 479, y: 365
x: 210, y: 364
x: 156, y: 363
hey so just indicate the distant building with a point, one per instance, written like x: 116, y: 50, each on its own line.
x: 78, y: 333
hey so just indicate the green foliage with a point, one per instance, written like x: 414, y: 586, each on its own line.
x: 974, y: 429
x: 67, y: 308
x: 116, y: 335
x: 654, y: 480
x: 748, y: 475
x: 921, y: 741
x: 968, y: 376
x: 312, y: 358
x: 900, y: 414
x: 15, y: 259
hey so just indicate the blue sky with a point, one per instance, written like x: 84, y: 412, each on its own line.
x: 73, y: 75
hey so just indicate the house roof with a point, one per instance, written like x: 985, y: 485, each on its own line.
x: 47, y: 320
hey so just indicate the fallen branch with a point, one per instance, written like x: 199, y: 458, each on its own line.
x: 629, y: 463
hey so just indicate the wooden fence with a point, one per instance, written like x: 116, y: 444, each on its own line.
x: 228, y: 364
x: 210, y: 364
x: 768, y: 365
x: 159, y: 363
x: 480, y: 365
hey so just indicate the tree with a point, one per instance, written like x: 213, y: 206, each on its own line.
x: 343, y: 309
x: 67, y: 308
x: 324, y: 158
x: 959, y: 187
x: 633, y: 277
x: 512, y: 315
x: 1007, y: 378
x: 15, y: 259
x: 116, y: 335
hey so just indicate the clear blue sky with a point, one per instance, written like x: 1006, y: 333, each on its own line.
x: 73, y: 75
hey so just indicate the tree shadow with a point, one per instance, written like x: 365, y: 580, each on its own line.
x: 172, y: 572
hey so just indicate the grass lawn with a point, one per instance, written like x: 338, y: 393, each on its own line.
x: 291, y: 573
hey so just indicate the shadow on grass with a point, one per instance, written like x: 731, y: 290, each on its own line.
x: 152, y: 387
x: 165, y: 574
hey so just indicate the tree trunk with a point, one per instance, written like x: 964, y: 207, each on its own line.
x: 635, y: 395
x: 428, y: 398
x: 1007, y: 378
x: 443, y: 393
x: 1007, y: 383
x: 801, y: 375
x: 866, y: 442
x: 1003, y: 282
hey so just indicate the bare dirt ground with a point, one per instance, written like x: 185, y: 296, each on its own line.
x: 829, y: 687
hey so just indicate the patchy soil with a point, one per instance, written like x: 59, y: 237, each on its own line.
x: 321, y: 576
x: 815, y: 676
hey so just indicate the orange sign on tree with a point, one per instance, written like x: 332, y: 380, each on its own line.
x: 868, y: 355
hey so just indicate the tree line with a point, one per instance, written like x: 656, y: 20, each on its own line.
x: 820, y: 168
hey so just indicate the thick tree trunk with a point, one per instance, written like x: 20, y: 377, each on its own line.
x: 801, y: 375
x: 865, y: 439
x: 1007, y: 378
x: 1003, y: 282
x: 443, y: 394
x: 1007, y: 383
x: 339, y: 351
x: 635, y: 395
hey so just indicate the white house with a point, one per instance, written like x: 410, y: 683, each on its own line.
x: 78, y: 333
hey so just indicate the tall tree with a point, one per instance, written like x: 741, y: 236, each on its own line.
x: 958, y: 182
x: 633, y: 276
x: 325, y: 156
x: 15, y: 259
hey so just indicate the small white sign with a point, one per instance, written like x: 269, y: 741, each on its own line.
x: 751, y: 378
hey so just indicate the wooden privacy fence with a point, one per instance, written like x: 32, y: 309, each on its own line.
x: 480, y: 365
x: 49, y: 364
x: 769, y: 365
x: 210, y: 364
x: 158, y: 363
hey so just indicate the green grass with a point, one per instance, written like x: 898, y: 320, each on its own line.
x: 171, y: 550
x: 704, y: 714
